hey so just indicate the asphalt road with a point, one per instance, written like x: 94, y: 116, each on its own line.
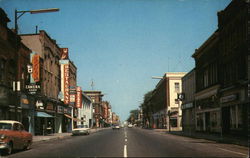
x: 131, y: 142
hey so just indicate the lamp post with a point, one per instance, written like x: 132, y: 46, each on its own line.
x: 31, y: 12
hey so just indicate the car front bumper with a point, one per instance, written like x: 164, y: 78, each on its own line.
x: 79, y: 132
x: 4, y: 145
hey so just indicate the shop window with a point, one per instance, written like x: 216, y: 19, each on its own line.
x: 214, y: 119
x: 173, y: 122
x: 239, y: 115
x: 233, y: 117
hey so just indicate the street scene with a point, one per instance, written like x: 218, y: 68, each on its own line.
x: 124, y: 78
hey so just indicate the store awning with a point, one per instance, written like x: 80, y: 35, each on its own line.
x: 74, y: 119
x: 43, y: 114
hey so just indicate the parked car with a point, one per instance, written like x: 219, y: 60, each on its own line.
x: 81, y: 130
x: 115, y: 127
x: 130, y: 126
x: 13, y: 136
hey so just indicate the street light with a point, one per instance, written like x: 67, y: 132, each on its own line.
x: 31, y: 12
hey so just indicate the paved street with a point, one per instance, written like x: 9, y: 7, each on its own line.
x: 131, y: 142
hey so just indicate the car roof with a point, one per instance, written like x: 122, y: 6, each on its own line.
x: 9, y: 121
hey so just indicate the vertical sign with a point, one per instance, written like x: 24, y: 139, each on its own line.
x: 36, y: 67
x: 78, y: 97
x: 66, y: 84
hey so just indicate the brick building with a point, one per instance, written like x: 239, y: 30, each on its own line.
x: 15, y: 103
x: 96, y: 97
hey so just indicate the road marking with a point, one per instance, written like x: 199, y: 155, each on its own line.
x: 126, y: 140
x: 125, y: 151
x: 233, y: 152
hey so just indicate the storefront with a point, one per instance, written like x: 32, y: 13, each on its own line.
x: 188, y: 117
x: 44, y: 118
x: 235, y: 108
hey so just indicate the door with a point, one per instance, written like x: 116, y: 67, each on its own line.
x: 207, y: 121
x: 225, y: 120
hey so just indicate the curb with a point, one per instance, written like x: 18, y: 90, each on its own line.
x: 62, y: 137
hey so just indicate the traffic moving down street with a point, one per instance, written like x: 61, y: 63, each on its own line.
x: 131, y: 142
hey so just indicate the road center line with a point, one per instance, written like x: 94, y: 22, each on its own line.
x: 126, y: 140
x: 233, y: 151
x: 125, y: 151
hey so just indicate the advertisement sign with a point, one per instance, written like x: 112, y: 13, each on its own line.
x: 72, y: 95
x: 66, y: 84
x: 33, y: 88
x: 36, y: 67
x: 78, y: 97
x: 64, y: 53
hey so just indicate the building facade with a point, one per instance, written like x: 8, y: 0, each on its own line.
x: 233, y: 26
x: 15, y: 102
x: 45, y: 61
x: 207, y: 63
x: 96, y: 97
x: 188, y: 102
x: 85, y: 113
x: 166, y: 111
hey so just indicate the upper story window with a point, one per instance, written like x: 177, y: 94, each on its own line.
x: 205, y: 78
x: 177, y: 87
x: 2, y: 69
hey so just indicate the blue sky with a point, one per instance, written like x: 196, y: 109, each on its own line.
x: 121, y: 44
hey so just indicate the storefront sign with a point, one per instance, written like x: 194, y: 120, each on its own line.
x: 39, y: 104
x: 66, y: 84
x: 72, y: 95
x: 78, y: 97
x: 60, y: 109
x: 33, y: 88
x: 67, y: 111
x: 36, y: 67
x: 229, y: 98
x: 189, y: 105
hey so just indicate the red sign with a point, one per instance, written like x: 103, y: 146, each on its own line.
x: 36, y: 67
x: 64, y: 53
x: 66, y: 84
x: 78, y: 97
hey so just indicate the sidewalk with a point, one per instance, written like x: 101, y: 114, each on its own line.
x: 214, y: 137
x: 55, y: 136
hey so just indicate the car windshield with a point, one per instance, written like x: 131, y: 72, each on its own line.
x: 5, y: 126
x: 82, y: 126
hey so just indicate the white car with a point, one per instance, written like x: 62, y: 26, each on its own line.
x: 130, y: 126
x: 116, y: 127
x: 81, y: 130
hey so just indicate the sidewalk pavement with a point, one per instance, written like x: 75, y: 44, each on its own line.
x: 55, y: 136
x: 228, y: 139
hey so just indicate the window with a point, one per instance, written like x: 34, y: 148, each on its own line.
x: 177, y: 87
x: 2, y: 69
x: 205, y: 78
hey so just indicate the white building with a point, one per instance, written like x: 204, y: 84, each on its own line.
x: 85, y: 113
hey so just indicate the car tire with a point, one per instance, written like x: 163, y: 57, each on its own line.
x: 27, y: 146
x: 9, y: 150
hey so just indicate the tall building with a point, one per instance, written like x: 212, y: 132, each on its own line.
x: 96, y: 97
x: 15, y: 102
x: 233, y: 26
x: 207, y: 64
x: 166, y: 108
x: 46, y: 74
